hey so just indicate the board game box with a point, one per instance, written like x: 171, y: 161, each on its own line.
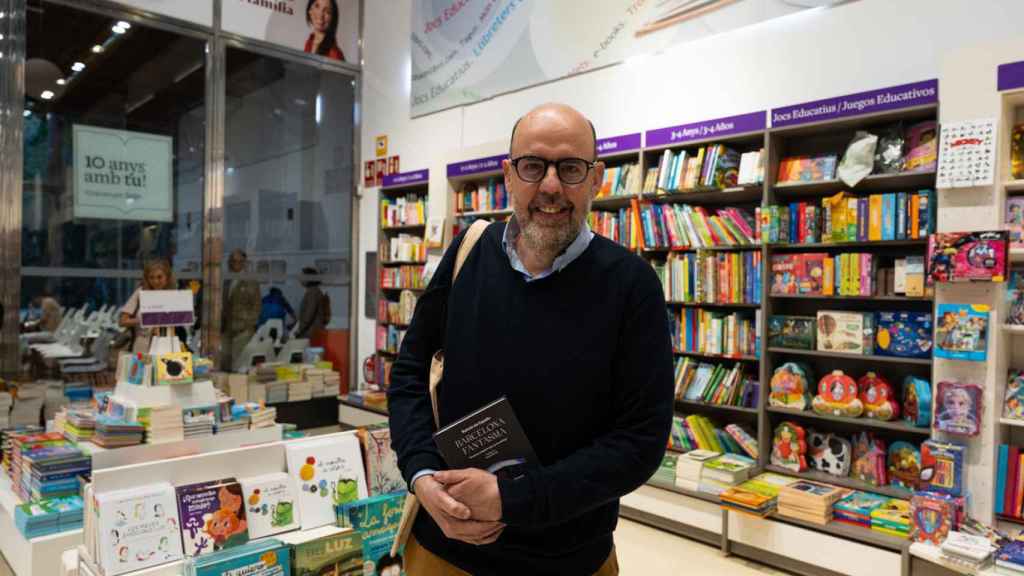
x: 906, y: 334
x: 968, y: 256
x: 848, y: 332
x: 792, y: 332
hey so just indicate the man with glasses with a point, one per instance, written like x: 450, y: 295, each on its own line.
x: 571, y: 328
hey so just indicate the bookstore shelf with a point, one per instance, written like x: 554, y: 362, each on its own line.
x: 404, y: 228
x: 1013, y: 328
x: 1003, y: 518
x: 856, y: 533
x: 918, y: 243
x: 344, y: 399
x: 750, y: 248
x: 711, y: 196
x: 872, y: 183
x: 684, y: 405
x: 865, y: 357
x: 908, y: 299
x: 397, y: 289
x: 1016, y: 186
x: 742, y: 357
x: 691, y: 493
x: 830, y: 126
x: 1011, y: 422
x: 894, y: 425
x: 612, y: 202
x: 484, y: 213
x: 404, y: 262
x: 746, y: 305
x: 844, y: 481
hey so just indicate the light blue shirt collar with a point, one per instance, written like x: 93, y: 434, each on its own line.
x: 578, y: 246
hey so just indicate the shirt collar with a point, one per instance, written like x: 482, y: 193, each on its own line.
x: 575, y: 249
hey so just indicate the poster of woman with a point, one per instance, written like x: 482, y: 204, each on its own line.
x: 327, y: 28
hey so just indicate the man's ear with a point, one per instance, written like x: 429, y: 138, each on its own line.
x: 506, y: 169
x: 598, y: 178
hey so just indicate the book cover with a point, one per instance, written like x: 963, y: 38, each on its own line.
x: 265, y: 558
x: 875, y: 217
x: 326, y: 551
x: 212, y: 516
x: 382, y: 473
x: 962, y: 332
x: 376, y: 520
x: 901, y: 216
x: 808, y: 168
x: 914, y: 281
x: 967, y: 256
x: 328, y: 472
x: 998, y: 507
x: 1015, y: 220
x: 889, y: 216
x: 489, y: 438
x: 942, y: 467
x: 174, y: 368
x: 271, y: 504
x: 138, y: 528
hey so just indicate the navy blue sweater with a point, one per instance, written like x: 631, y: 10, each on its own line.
x: 585, y: 360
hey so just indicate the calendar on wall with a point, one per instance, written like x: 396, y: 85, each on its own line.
x: 967, y: 154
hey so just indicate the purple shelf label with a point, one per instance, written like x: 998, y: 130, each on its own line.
x: 405, y: 178
x: 1010, y: 76
x: 480, y: 165
x: 618, y: 144
x: 716, y: 128
x: 880, y: 100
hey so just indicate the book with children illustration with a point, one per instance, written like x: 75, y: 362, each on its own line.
x: 212, y: 516
x: 328, y: 472
x: 962, y: 332
x: 138, y: 528
x: 271, y: 504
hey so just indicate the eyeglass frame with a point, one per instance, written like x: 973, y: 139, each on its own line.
x: 548, y: 163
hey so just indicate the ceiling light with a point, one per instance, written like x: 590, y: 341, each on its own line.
x: 119, y: 30
x: 61, y: 81
x: 97, y: 49
x: 1, y: 36
x: 46, y: 95
x: 78, y: 66
x: 26, y: 113
x: 123, y: 24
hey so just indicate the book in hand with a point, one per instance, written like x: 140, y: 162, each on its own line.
x: 489, y: 438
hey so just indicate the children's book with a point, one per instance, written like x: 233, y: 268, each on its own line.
x: 932, y: 517
x: 326, y: 550
x: 138, y: 528
x: 942, y: 467
x: 264, y: 558
x: 962, y: 332
x: 174, y: 368
x: 382, y: 473
x: 1014, y: 221
x: 376, y: 520
x: 1013, y: 403
x: 328, y: 472
x: 1015, y: 298
x: 808, y: 168
x: 212, y: 516
x: 271, y: 504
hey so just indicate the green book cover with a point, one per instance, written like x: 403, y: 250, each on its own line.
x: 339, y: 554
x: 376, y: 520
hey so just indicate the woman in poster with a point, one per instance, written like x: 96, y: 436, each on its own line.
x: 322, y: 17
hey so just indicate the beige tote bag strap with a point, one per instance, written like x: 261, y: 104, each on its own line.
x: 412, y: 505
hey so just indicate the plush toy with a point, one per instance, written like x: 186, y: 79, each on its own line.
x: 790, y: 386
x: 789, y: 447
x: 917, y: 401
x: 830, y: 454
x: 837, y: 395
x: 869, y: 460
x: 878, y: 397
x: 904, y: 465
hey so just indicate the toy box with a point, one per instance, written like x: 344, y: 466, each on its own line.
x: 962, y: 332
x: 785, y: 272
x: 830, y: 453
x: 811, y: 273
x: 848, y: 332
x: 837, y: 395
x: 968, y: 256
x: 931, y: 518
x: 942, y: 467
x: 958, y: 408
x: 906, y: 334
x: 878, y: 397
x: 1015, y: 297
x: 1015, y: 221
x: 904, y: 465
x: 1013, y: 401
x: 870, y: 460
x: 790, y: 386
x: 791, y: 332
x: 857, y: 507
x: 808, y: 168
x: 917, y: 402
x: 789, y: 447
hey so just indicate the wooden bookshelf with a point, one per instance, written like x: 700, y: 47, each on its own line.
x: 907, y: 299
x: 865, y: 357
x: 710, y: 196
x: 872, y: 183
x: 741, y: 357
x: 810, y: 247
x: 738, y: 305
x: 704, y: 249
x: 862, y: 422
x: 404, y: 263
x: 844, y: 481
x: 684, y: 405
x: 612, y: 202
x: 848, y: 531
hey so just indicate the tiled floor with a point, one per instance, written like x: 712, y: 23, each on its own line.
x: 643, y: 550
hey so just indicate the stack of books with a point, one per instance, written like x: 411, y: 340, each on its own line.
x: 756, y: 496
x: 683, y: 226
x: 163, y: 424
x: 1009, y: 558
x: 79, y: 394
x: 975, y: 552
x: 49, y: 516
x: 231, y: 425
x: 689, y: 468
x: 52, y: 471
x: 856, y: 508
x: 315, y: 378
x: 115, y: 433
x: 198, y: 422
x: 5, y: 409
x: 693, y: 432
x: 79, y: 425
x: 728, y: 470
x: 332, y: 383
x: 23, y: 444
x: 257, y: 391
x: 809, y: 501
x: 263, y: 418
x: 892, y: 518
x: 277, y: 391
x: 299, y: 391
x: 7, y: 443
x: 666, y: 472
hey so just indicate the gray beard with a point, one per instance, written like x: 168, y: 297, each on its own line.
x: 547, y: 242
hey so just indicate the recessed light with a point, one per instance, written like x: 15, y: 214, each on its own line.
x: 119, y: 30
x: 97, y: 49
x: 123, y: 24
x: 61, y: 81
x: 46, y: 95
x: 78, y: 66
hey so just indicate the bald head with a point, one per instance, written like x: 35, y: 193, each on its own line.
x: 556, y: 116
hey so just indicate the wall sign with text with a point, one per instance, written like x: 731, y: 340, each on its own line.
x: 329, y: 28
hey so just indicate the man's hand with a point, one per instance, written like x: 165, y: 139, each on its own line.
x: 452, y: 516
x: 476, y: 489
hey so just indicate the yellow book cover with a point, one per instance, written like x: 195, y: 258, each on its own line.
x: 829, y: 277
x: 845, y: 281
x: 837, y: 212
x: 174, y: 368
x: 854, y: 274
x: 875, y: 217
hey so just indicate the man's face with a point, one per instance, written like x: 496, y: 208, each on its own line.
x: 550, y: 213
x: 236, y: 262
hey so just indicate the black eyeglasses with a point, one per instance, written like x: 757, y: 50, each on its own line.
x: 570, y: 171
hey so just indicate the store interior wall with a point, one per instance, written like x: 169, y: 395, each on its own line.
x: 810, y: 55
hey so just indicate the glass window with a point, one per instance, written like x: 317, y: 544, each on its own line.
x: 287, y: 206
x: 114, y: 156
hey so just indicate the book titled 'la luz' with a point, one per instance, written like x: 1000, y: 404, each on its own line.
x: 490, y: 438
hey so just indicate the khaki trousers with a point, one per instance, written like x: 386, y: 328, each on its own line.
x: 422, y: 562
